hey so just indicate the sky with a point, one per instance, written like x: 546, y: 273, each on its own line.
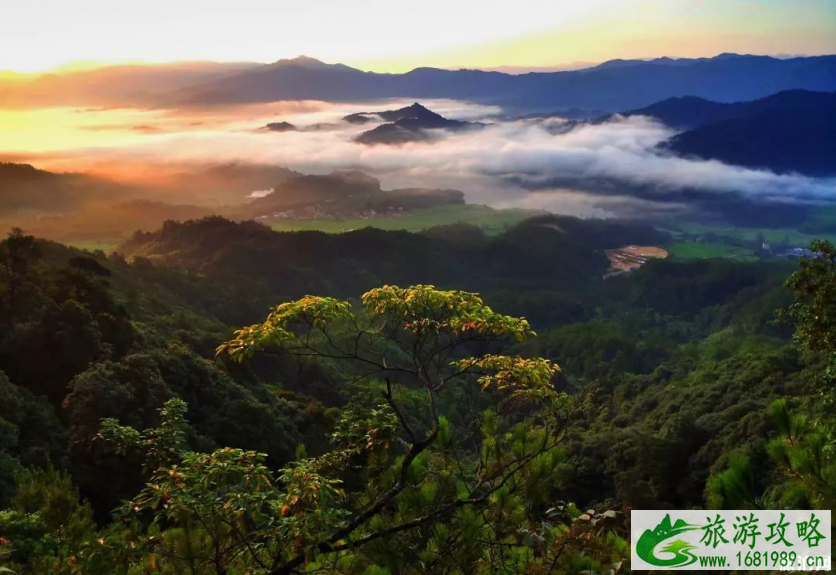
x: 397, y: 35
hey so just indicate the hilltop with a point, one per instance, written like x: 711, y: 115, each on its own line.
x: 410, y: 124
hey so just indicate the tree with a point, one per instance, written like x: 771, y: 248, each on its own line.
x: 813, y: 314
x: 84, y: 280
x: 814, y: 309
x: 734, y: 487
x: 17, y: 252
x: 802, y: 452
x: 30, y: 433
x: 47, y: 523
x: 402, y: 490
x: 131, y: 390
x: 45, y: 353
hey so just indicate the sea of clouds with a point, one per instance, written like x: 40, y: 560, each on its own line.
x: 613, y: 168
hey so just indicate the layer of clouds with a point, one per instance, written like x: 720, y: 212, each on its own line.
x: 604, y: 169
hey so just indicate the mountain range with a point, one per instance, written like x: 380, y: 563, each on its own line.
x: 124, y: 85
x: 610, y: 87
x: 691, y: 112
x: 792, y: 131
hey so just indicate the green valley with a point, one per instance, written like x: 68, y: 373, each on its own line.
x: 493, y: 221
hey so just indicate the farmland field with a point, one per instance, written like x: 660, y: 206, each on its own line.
x: 821, y: 219
x: 688, y: 250
x: 492, y: 221
x: 786, y: 236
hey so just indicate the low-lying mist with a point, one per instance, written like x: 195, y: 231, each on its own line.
x: 615, y: 168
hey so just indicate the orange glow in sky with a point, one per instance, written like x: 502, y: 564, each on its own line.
x: 394, y: 35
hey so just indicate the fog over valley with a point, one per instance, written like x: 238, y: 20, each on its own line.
x: 615, y: 166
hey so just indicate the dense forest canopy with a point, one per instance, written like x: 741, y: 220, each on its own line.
x: 358, y: 427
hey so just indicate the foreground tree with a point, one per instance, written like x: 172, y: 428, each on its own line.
x: 814, y: 288
x: 803, y: 450
x: 404, y: 490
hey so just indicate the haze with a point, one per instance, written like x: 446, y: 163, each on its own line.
x: 200, y: 108
x: 397, y: 36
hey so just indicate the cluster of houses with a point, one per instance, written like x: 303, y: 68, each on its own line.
x: 786, y: 252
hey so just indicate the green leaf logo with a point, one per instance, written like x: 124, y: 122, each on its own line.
x: 647, y: 543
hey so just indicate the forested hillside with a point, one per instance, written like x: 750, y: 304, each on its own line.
x: 358, y: 427
x: 788, y: 132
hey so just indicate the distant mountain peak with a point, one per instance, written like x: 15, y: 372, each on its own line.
x: 280, y: 127
x: 308, y: 63
x: 417, y: 107
x: 414, y: 110
x: 408, y: 124
x: 300, y: 60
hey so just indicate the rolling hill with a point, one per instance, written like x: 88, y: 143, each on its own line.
x: 409, y: 124
x: 25, y: 189
x: 793, y: 131
x: 542, y: 251
x: 341, y: 194
x: 691, y: 112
